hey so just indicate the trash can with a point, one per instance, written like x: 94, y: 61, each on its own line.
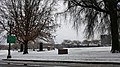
x: 41, y: 46
x: 48, y: 48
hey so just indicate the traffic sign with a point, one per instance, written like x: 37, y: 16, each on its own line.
x: 11, y: 39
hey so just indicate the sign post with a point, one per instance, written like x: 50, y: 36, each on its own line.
x: 10, y: 39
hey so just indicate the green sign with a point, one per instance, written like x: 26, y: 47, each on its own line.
x: 11, y: 39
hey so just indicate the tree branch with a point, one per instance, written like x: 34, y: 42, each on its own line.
x: 3, y: 26
x: 89, y: 6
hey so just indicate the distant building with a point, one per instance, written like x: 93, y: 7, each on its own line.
x: 70, y: 43
x: 67, y: 43
x: 105, y: 40
x: 91, y: 43
x: 95, y: 42
x: 48, y: 46
x: 3, y: 47
x: 85, y: 43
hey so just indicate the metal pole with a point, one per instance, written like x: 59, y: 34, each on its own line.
x: 9, y: 55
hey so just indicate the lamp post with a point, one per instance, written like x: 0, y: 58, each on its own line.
x: 10, y: 25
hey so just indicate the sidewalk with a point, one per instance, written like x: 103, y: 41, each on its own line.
x: 75, y: 55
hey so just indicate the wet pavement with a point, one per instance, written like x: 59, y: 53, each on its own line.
x: 3, y: 64
x: 80, y: 65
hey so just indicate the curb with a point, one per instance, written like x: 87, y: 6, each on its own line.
x: 57, y: 61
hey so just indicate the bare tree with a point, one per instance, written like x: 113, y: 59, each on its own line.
x: 98, y: 15
x: 32, y: 19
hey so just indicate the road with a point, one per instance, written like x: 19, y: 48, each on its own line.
x: 82, y: 65
x: 2, y: 64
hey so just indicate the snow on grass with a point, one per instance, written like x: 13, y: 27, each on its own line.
x: 2, y: 52
x: 74, y: 54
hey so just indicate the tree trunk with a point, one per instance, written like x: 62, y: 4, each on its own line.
x: 114, y: 32
x: 25, y: 48
x: 21, y: 47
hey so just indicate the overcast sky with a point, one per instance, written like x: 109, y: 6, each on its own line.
x: 66, y: 31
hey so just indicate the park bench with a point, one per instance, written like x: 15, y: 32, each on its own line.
x: 62, y: 51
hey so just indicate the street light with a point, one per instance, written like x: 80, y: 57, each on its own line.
x: 10, y: 24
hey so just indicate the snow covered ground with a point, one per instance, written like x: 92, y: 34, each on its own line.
x: 3, y: 54
x: 101, y: 54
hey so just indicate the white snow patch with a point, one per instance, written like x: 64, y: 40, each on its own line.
x: 74, y: 54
